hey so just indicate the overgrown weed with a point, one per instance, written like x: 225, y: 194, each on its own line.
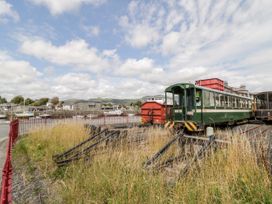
x: 229, y: 175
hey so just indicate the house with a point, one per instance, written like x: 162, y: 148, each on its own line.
x: 50, y: 105
x: 79, y: 105
x: 5, y: 107
x: 157, y: 98
x: 87, y: 106
x: 69, y: 104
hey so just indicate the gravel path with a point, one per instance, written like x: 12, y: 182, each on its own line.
x: 4, y: 128
x: 3, y: 149
x: 28, y: 186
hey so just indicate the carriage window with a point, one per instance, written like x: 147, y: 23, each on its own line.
x: 247, y: 104
x: 259, y: 103
x: 234, y: 102
x: 217, y: 99
x: 269, y: 101
x: 227, y: 98
x: 238, y: 103
x: 262, y: 101
x: 206, y: 96
x: 243, y: 103
x: 231, y: 102
x: 212, y: 99
x: 176, y: 99
x: 198, y: 98
x: 169, y: 98
x: 222, y: 101
x: 250, y: 104
x: 208, y: 99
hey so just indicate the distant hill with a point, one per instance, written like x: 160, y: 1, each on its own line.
x: 114, y: 101
x: 102, y: 100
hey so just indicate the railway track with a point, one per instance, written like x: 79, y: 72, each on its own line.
x: 195, y: 148
x: 97, y: 143
x: 191, y: 149
x: 250, y: 130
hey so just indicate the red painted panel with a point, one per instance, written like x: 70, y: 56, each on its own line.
x: 213, y: 83
x: 153, y: 112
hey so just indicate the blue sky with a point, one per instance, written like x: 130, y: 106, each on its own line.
x: 128, y: 49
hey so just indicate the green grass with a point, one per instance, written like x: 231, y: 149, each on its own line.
x: 230, y: 175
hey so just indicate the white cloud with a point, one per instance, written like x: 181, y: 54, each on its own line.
x: 139, y: 32
x: 75, y: 53
x: 144, y: 69
x: 132, y: 67
x: 57, y: 7
x: 170, y: 42
x: 7, y: 12
x: 73, y: 85
x: 19, y: 77
x: 198, y: 39
x: 183, y: 41
x: 80, y: 85
x: 16, y: 71
x: 141, y: 36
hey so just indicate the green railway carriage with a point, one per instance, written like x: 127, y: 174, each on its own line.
x: 196, y: 107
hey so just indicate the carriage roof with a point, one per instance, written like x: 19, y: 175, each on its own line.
x: 190, y: 85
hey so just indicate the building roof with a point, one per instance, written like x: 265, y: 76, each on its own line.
x: 8, y: 104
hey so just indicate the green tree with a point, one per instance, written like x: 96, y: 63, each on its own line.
x: 29, y: 101
x: 41, y: 102
x: 17, y: 100
x: 55, y: 101
x: 3, y: 100
x: 138, y: 103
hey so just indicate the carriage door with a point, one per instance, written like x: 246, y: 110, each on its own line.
x: 178, y: 104
x: 189, y: 104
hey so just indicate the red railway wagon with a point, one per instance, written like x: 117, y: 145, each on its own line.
x: 213, y: 83
x: 153, y: 112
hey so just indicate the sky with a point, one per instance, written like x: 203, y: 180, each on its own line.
x: 129, y: 49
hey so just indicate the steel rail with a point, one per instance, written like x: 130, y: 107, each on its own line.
x: 70, y: 151
x: 162, y: 150
x: 85, y: 151
x: 197, y: 156
x: 251, y: 129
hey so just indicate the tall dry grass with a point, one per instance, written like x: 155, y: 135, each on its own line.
x: 229, y: 175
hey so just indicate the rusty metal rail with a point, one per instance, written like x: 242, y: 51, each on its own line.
x: 251, y: 129
x: 77, y: 147
x: 78, y: 153
x: 199, y: 155
x: 157, y: 155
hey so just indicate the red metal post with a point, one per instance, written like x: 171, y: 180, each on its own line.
x: 6, y: 192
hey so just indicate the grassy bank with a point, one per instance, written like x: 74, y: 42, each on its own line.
x: 230, y: 175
